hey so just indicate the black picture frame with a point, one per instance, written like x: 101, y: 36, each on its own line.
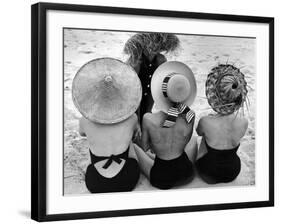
x: 39, y: 108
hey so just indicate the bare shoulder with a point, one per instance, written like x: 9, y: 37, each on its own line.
x: 205, y: 120
x: 83, y: 122
x: 152, y: 118
x: 242, y: 122
x: 147, y: 119
x: 148, y: 116
x: 133, y: 119
x: 129, y: 122
x: 82, y: 125
x: 208, y: 123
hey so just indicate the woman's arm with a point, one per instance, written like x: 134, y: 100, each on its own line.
x: 81, y: 127
x: 145, y: 135
x: 199, y: 128
x: 136, y: 131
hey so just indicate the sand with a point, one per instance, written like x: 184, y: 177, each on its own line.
x: 200, y: 53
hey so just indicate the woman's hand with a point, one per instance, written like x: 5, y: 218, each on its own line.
x: 138, y: 131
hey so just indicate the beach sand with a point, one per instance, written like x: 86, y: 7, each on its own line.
x: 200, y: 53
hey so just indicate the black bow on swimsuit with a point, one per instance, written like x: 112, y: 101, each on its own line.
x: 110, y: 159
x: 125, y: 180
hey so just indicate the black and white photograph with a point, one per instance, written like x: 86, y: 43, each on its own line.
x: 150, y: 111
x: 140, y: 112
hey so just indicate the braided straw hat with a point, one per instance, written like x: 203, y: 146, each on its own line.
x: 106, y: 91
x: 181, y: 87
x: 226, y: 89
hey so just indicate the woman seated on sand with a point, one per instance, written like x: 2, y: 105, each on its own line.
x: 167, y: 133
x: 144, y: 50
x: 226, y: 92
x: 107, y: 92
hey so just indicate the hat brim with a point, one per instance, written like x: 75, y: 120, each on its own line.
x: 90, y: 102
x: 162, y: 103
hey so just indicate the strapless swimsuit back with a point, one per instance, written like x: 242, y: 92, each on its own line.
x: 219, y: 166
x: 166, y: 174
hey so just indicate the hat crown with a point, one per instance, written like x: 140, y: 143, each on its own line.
x: 178, y: 88
x: 229, y: 87
x: 108, y: 92
x: 183, y: 82
x: 108, y: 79
x: 108, y: 86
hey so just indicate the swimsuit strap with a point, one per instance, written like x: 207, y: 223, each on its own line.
x: 176, y: 109
x: 110, y: 159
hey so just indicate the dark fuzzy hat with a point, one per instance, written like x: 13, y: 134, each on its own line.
x: 151, y: 42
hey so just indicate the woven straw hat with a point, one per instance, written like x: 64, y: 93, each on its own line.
x: 226, y: 89
x: 181, y: 85
x: 106, y: 91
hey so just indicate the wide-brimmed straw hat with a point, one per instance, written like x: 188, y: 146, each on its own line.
x: 226, y: 89
x: 106, y: 91
x: 178, y: 82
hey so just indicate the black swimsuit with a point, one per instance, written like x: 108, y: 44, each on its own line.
x: 219, y: 166
x: 166, y: 174
x: 125, y: 180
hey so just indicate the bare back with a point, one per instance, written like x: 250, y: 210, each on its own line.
x: 108, y: 139
x: 167, y: 143
x: 222, y: 132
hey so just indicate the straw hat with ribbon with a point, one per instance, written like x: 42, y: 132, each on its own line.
x: 173, y: 88
x: 106, y: 91
x: 226, y: 89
